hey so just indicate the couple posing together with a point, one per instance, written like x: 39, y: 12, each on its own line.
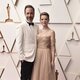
x: 36, y: 46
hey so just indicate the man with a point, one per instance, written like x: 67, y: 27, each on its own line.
x: 26, y: 43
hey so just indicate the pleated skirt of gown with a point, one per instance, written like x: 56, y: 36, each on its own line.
x: 42, y: 67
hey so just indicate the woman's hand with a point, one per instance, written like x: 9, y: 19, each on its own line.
x: 52, y: 63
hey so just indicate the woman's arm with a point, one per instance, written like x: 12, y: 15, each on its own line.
x: 53, y: 47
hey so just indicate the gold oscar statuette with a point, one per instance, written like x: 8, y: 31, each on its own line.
x: 8, y: 14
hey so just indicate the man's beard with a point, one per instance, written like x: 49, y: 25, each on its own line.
x: 29, y: 19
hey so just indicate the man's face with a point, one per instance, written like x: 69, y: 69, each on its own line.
x: 29, y: 13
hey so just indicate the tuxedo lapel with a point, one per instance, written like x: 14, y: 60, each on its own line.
x: 35, y: 29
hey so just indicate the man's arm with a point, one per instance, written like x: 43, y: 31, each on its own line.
x: 19, y: 41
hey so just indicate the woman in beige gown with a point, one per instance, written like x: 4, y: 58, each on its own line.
x: 44, y: 66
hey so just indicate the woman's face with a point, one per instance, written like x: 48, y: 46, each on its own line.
x: 44, y: 20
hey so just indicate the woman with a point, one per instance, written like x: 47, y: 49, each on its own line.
x: 44, y: 66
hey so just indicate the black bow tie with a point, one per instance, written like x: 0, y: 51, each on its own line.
x: 30, y: 24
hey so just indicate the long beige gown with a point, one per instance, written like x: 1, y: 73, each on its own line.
x: 46, y: 46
